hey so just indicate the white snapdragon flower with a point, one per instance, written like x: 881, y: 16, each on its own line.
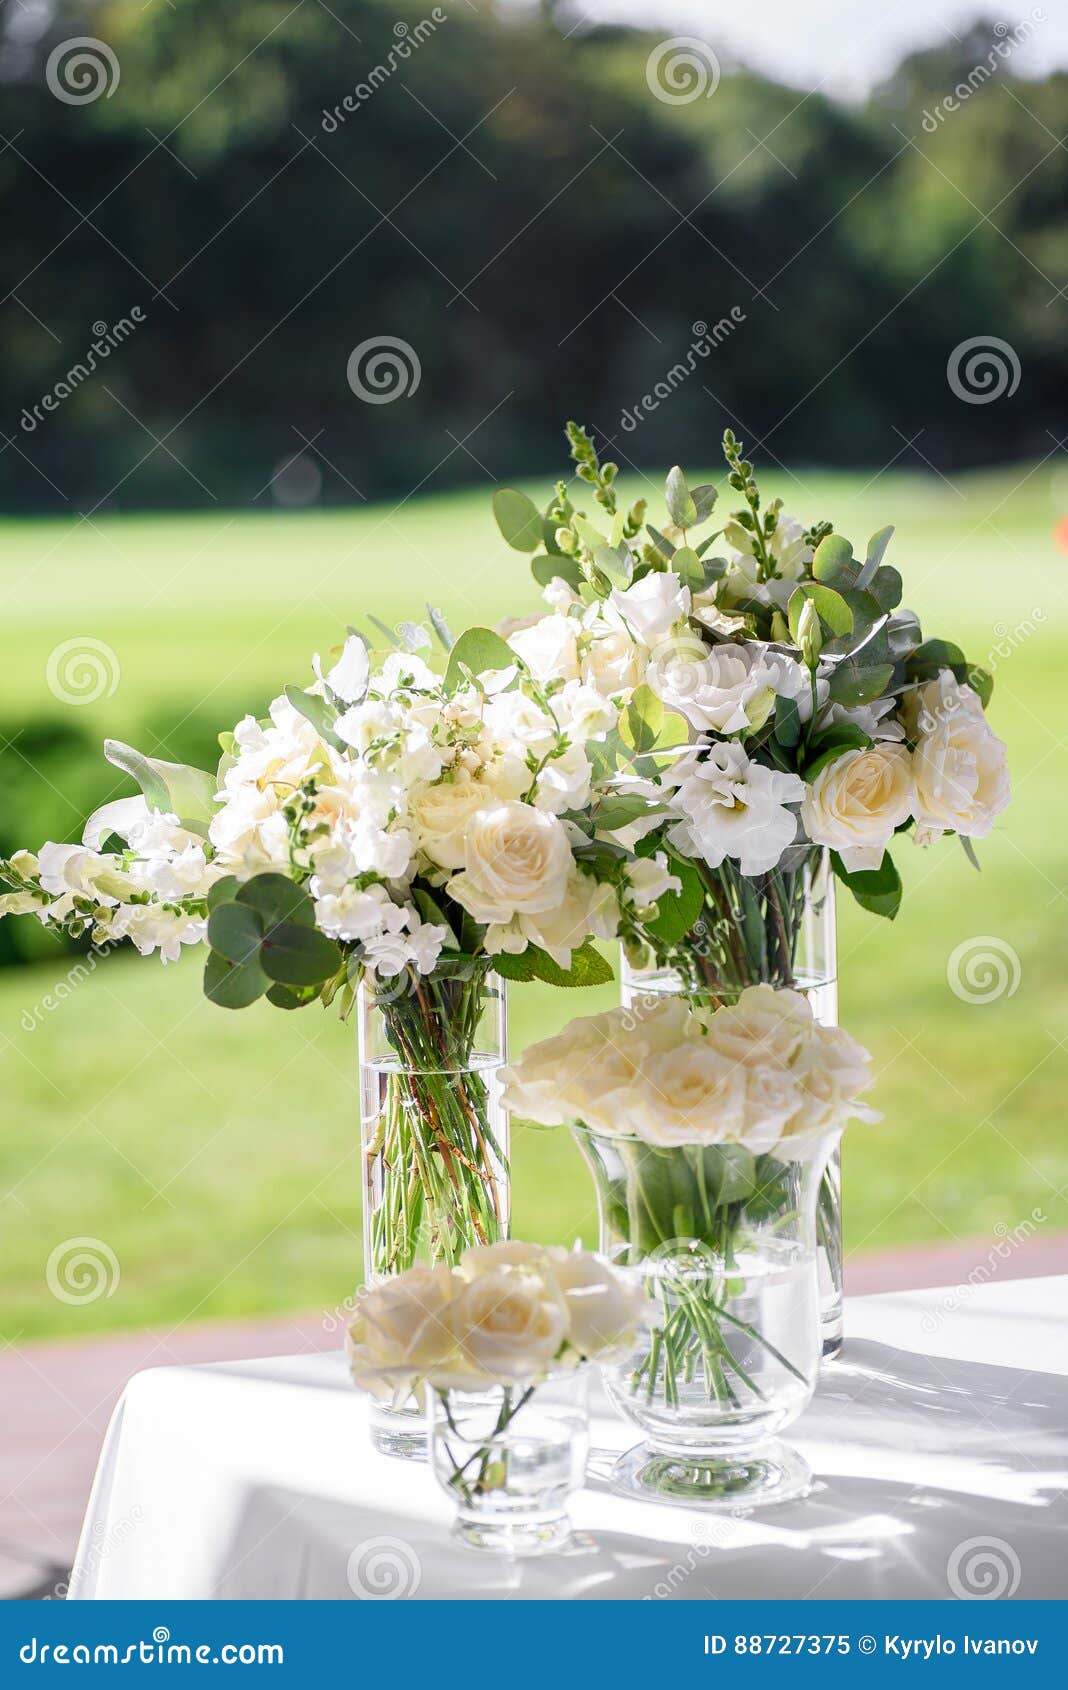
x: 730, y: 806
x: 150, y: 927
x: 652, y: 606
x: 360, y: 916
x: 582, y: 712
x: 349, y: 677
x: 564, y: 782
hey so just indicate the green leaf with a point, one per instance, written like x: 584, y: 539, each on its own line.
x: 854, y: 683
x: 296, y: 955
x: 289, y: 997
x: 176, y: 788
x: 521, y: 967
x: 680, y: 501
x: 887, y: 587
x: 620, y: 810
x: 833, y: 562
x: 689, y: 568
x: 233, y: 986
x: 969, y: 852
x: 787, y: 721
x: 276, y: 898
x: 704, y: 498
x: 432, y: 912
x: 236, y: 932
x: 661, y: 542
x: 643, y: 719
x: 588, y: 967
x: 981, y: 681
x: 546, y: 568
x: 318, y: 712
x: 829, y: 746
x: 678, y: 911
x: 877, y: 890
x: 874, y: 555
x: 478, y: 650
x: 932, y: 656
x: 441, y: 627
x: 832, y: 608
x: 518, y: 519
x: 223, y: 891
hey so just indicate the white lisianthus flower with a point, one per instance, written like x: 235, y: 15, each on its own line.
x: 730, y: 806
x: 517, y: 861
x: 652, y: 607
x: 724, y: 688
x: 549, y: 648
x: 959, y: 766
x: 855, y: 803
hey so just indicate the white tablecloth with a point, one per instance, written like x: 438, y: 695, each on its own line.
x: 946, y: 1423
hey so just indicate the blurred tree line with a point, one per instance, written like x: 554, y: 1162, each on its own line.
x: 516, y: 205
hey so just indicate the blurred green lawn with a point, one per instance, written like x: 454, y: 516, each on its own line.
x: 215, y: 1154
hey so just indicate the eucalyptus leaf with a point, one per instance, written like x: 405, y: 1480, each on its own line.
x: 833, y: 562
x: 853, y: 683
x: 277, y: 898
x: 874, y: 556
x: 233, y: 986
x: 479, y: 650
x: 296, y: 955
x: 318, y: 712
x: 518, y: 519
x: 235, y: 931
x: 680, y: 502
x: 832, y: 608
x: 689, y: 568
x: 548, y: 567
x: 176, y: 788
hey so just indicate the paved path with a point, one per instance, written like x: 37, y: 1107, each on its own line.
x: 58, y: 1397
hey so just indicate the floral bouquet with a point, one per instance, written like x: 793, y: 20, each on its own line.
x: 784, y: 703
x: 390, y: 827
x: 706, y: 1131
x: 481, y: 1341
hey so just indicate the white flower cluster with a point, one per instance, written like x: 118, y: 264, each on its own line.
x: 143, y: 895
x: 509, y: 1314
x: 696, y: 658
x: 761, y: 1073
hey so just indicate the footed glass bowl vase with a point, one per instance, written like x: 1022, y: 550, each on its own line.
x: 725, y: 1243
x: 509, y: 1459
x: 777, y: 929
x: 434, y: 1137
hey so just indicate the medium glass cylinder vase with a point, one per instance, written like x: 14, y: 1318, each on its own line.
x: 725, y: 1243
x: 434, y: 1136
x: 776, y: 929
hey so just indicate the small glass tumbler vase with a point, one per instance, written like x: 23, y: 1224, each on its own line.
x: 781, y: 930
x: 510, y: 1459
x: 434, y: 1138
x: 725, y: 1243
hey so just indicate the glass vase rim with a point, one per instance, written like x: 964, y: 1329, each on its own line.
x: 813, y: 1146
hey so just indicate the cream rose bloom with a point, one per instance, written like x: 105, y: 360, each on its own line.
x: 689, y: 1094
x: 855, y: 803
x: 402, y: 1331
x: 605, y: 1308
x: 511, y: 1322
x: 960, y: 768
x: 612, y: 660
x: 517, y: 861
x: 440, y: 816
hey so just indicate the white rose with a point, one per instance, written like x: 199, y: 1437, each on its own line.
x: 855, y: 803
x: 960, y: 768
x: 549, y: 648
x: 588, y: 909
x: 403, y: 1330
x: 605, y: 1307
x: 510, y: 1322
x: 689, y: 1094
x: 652, y: 606
x: 765, y: 1025
x: 727, y: 688
x: 612, y: 660
x: 517, y: 861
x: 441, y: 814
